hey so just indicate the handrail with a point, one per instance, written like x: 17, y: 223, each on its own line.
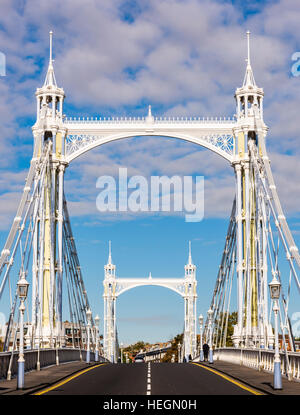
x: 47, y: 358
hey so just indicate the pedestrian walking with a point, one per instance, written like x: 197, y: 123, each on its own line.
x: 205, y: 351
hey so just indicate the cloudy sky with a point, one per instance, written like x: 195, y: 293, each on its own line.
x: 114, y: 58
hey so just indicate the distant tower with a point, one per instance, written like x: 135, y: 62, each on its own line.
x: 109, y: 296
x: 110, y: 268
x: 190, y: 299
x: 190, y: 268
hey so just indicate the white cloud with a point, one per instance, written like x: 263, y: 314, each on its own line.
x: 186, y: 57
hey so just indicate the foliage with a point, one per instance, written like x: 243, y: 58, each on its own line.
x: 174, y: 349
x: 134, y: 349
x: 232, y: 321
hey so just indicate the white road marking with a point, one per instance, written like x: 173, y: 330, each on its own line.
x: 149, y: 380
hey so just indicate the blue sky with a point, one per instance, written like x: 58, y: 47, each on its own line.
x: 114, y: 59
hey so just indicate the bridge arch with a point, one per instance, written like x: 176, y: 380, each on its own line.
x: 113, y: 287
x: 78, y: 144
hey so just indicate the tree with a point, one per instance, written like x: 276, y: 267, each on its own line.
x: 174, y: 349
x: 220, y: 325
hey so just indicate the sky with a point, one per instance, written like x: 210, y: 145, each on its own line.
x: 184, y: 58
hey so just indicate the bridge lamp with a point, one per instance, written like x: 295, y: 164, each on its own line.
x: 200, y: 319
x: 97, y: 320
x: 179, y: 355
x: 210, y: 315
x: 22, y: 289
x: 275, y: 288
x: 88, y: 316
x: 121, y: 352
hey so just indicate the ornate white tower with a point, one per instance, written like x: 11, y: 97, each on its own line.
x: 47, y: 270
x: 190, y: 298
x: 249, y: 95
x: 249, y: 212
x: 110, y: 332
x: 50, y: 97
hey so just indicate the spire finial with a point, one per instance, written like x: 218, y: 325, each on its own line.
x: 249, y: 77
x: 248, y: 47
x: 50, y: 49
x: 50, y: 77
x: 190, y: 253
x: 149, y: 111
x: 109, y: 252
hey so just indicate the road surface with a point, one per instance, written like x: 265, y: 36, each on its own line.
x: 149, y: 379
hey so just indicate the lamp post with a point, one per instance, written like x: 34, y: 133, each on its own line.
x: 88, y: 316
x: 179, y: 354
x: 22, y: 293
x: 200, y: 318
x: 275, y: 287
x: 97, y: 319
x: 121, y: 352
x: 210, y: 314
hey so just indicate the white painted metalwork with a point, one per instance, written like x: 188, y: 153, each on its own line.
x: 258, y: 229
x: 260, y: 360
x: 82, y: 136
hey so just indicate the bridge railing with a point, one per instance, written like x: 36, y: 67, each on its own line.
x: 47, y: 358
x: 260, y: 359
x: 141, y: 120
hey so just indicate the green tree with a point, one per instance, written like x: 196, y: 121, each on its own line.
x: 221, y: 324
x: 174, y: 349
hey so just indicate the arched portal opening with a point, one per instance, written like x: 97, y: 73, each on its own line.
x: 162, y: 236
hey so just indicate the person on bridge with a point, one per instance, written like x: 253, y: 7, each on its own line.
x: 205, y: 351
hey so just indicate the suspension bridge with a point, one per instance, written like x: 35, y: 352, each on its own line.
x: 260, y: 259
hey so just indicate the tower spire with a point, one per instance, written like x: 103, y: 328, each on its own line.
x: 190, y: 254
x: 50, y: 49
x: 249, y: 77
x: 249, y: 97
x: 109, y: 268
x: 50, y: 77
x: 248, y: 47
x: 109, y: 253
x: 190, y: 268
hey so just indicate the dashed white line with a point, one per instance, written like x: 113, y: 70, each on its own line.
x: 149, y: 380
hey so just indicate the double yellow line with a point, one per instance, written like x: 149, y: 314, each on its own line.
x: 230, y: 379
x: 63, y: 382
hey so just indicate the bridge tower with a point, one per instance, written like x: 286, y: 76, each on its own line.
x: 252, y: 290
x: 190, y: 298
x: 110, y: 296
x: 47, y: 267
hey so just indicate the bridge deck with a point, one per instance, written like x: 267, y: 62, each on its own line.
x: 132, y: 379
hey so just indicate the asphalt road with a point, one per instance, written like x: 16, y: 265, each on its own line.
x: 148, y: 379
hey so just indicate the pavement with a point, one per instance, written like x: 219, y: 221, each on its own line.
x: 260, y: 380
x: 36, y: 380
x: 79, y: 378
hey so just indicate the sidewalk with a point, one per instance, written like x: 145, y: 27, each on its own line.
x: 260, y: 380
x: 47, y: 376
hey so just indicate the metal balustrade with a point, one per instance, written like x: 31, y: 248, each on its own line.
x: 142, y: 120
x: 260, y: 359
x: 47, y: 358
